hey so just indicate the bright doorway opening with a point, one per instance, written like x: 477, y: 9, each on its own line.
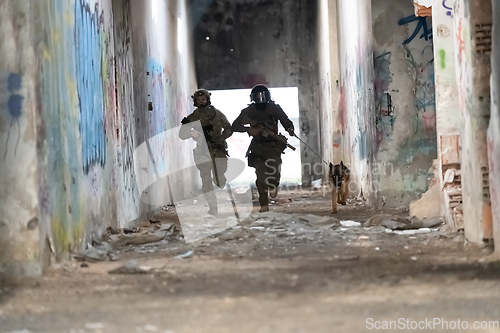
x: 231, y: 102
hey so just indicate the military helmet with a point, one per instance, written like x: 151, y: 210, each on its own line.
x: 201, y: 92
x: 260, y: 94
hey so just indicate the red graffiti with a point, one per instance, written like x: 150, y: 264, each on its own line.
x: 343, y: 110
x: 460, y: 42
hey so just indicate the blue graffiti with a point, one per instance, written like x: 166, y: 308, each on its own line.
x: 15, y: 105
x: 14, y: 82
x: 157, y: 97
x: 422, y: 24
x: 449, y: 12
x: 90, y: 85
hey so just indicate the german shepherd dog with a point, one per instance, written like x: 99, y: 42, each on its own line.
x: 339, y: 175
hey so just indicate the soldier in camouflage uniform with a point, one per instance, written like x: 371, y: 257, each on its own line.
x: 216, y: 129
x: 264, y: 152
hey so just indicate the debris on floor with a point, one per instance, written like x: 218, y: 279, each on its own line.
x: 395, y: 222
x: 188, y: 254
x: 98, y: 252
x: 236, y: 233
x: 131, y: 267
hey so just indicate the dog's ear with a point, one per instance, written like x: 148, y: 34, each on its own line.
x: 342, y: 164
x: 331, y: 167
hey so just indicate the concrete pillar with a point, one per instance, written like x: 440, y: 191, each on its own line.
x: 356, y: 94
x: 472, y: 25
x: 19, y: 199
x: 329, y: 75
x: 494, y: 127
x: 447, y: 109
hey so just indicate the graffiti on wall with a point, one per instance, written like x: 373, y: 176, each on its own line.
x: 125, y: 135
x: 13, y: 97
x: 421, y: 25
x: 414, y: 68
x: 384, y: 108
x: 156, y: 96
x: 89, y: 57
x: 421, y: 62
x: 76, y: 95
x: 448, y: 8
x: 422, y: 66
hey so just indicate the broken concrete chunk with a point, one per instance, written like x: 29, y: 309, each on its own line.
x: 139, y: 238
x: 113, y: 231
x: 449, y: 176
x: 453, y: 191
x: 236, y: 233
x: 99, y: 252
x: 388, y: 220
x: 350, y: 224
x: 130, y: 267
x: 429, y: 205
x: 394, y: 225
x: 428, y: 223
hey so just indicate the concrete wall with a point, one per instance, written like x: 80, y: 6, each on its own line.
x: 494, y: 127
x: 356, y: 109
x: 69, y: 122
x: 405, y: 109
x: 242, y: 43
x: 473, y: 80
x: 447, y: 106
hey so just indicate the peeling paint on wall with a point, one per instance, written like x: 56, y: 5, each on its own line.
x: 404, y: 100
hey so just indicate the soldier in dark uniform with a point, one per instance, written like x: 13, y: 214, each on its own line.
x: 216, y: 129
x: 264, y: 152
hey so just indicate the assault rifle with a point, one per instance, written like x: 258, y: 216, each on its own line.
x: 269, y: 132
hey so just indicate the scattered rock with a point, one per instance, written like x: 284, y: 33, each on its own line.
x: 144, y: 224
x: 138, y: 238
x: 394, y: 222
x: 236, y: 233
x: 130, y: 267
x: 98, y: 252
x: 113, y: 231
x: 349, y: 223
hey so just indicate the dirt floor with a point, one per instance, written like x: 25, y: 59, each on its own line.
x: 273, y: 273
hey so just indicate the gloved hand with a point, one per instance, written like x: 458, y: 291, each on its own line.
x: 252, y: 131
x: 291, y: 132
